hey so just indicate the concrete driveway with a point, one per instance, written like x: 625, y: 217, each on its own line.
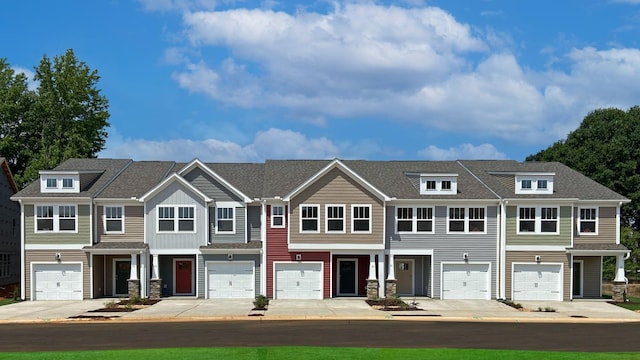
x: 189, y: 309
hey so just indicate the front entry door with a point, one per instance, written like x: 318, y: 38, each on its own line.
x: 122, y: 274
x: 184, y: 273
x: 347, y: 277
x: 404, y: 276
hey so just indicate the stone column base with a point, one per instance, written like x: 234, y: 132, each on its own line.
x: 155, y: 288
x: 391, y: 288
x: 134, y: 288
x: 619, y: 289
x: 372, y: 290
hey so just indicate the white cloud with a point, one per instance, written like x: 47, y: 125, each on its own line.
x: 180, y: 5
x: 462, y: 152
x: 31, y: 83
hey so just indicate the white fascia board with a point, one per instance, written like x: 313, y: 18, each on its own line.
x: 231, y: 251
x: 197, y: 163
x: 442, y: 202
x: 104, y: 201
x: 53, y: 200
x: 54, y: 246
x: 174, y: 252
x: 604, y: 202
x: 535, y: 248
x: 337, y: 164
x: 328, y: 247
x: 419, y: 252
x: 542, y: 201
x: 598, y: 252
x: 169, y: 180
x: 115, y: 251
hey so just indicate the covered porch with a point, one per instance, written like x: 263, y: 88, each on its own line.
x: 118, y: 269
x: 586, y: 270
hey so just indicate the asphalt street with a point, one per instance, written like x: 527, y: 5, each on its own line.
x: 600, y: 337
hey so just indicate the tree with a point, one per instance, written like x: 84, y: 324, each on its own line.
x: 65, y: 117
x: 606, y: 148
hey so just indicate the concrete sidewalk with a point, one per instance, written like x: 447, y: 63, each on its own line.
x: 189, y: 309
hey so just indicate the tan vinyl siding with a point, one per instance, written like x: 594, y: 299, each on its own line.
x: 133, y: 225
x: 338, y: 189
x: 83, y: 236
x: 606, y: 227
x: 591, y: 275
x: 547, y: 257
x: 562, y: 239
x: 48, y: 256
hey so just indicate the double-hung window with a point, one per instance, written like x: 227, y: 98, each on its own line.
x: 56, y: 218
x: 549, y: 220
x: 166, y: 218
x: 361, y: 219
x: 225, y: 220
x: 538, y: 220
x: 470, y: 219
x: 186, y: 219
x: 335, y: 221
x: 52, y: 183
x: 67, y: 183
x: 588, y: 221
x: 424, y: 219
x: 527, y: 221
x: 277, y: 216
x: 414, y: 219
x: 114, y: 219
x: 176, y: 218
x: 404, y: 219
x: 456, y: 219
x: 309, y: 218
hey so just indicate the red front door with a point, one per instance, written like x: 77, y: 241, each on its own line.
x: 183, y: 276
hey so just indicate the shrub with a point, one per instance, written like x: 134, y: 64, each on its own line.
x: 261, y: 302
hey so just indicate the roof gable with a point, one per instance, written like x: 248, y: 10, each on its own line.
x: 170, y: 180
x: 196, y: 163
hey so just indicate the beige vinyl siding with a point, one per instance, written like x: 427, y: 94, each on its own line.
x: 338, y: 189
x: 591, y: 275
x: 606, y: 227
x: 562, y: 239
x: 48, y: 256
x: 547, y: 257
x: 83, y: 236
x: 133, y: 225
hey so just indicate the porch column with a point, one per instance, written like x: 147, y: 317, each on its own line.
x: 620, y: 269
x: 133, y: 282
x: 143, y: 274
x: 155, y: 269
x: 372, y: 267
x: 391, y: 278
x: 391, y: 274
x: 372, y: 281
x: 381, y: 273
x: 155, y: 284
x: 620, y: 281
x: 134, y: 267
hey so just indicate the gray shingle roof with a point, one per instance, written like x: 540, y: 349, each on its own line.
x: 246, y: 177
x: 599, y: 247
x: 108, y: 169
x: 137, y: 179
x: 231, y: 246
x: 121, y: 245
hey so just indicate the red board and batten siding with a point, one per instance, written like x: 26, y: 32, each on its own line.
x: 278, y: 250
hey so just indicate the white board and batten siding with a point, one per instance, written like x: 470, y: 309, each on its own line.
x: 298, y: 280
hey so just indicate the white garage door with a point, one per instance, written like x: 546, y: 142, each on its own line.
x: 298, y: 281
x: 231, y: 280
x: 466, y: 281
x: 57, y: 281
x: 537, y: 282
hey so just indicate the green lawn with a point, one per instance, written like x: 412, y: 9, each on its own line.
x: 633, y: 304
x: 7, y: 301
x: 312, y: 353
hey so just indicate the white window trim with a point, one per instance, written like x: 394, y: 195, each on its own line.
x: 176, y: 219
x: 534, y: 178
x: 284, y: 218
x: 317, y: 206
x: 414, y: 219
x: 56, y: 219
x: 597, y: 221
x: 538, y: 221
x: 438, y: 179
x: 104, y: 219
x: 326, y: 219
x: 353, y: 219
x: 59, y: 188
x: 467, y: 220
x: 233, y: 219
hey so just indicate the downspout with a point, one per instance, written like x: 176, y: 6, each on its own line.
x: 23, y: 260
x: 503, y: 249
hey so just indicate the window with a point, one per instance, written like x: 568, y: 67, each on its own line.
x: 361, y: 219
x: 542, y: 184
x: 277, y: 216
x: 56, y: 218
x: 225, y: 220
x: 309, y: 218
x: 404, y: 220
x: 52, y: 183
x: 430, y: 184
x: 441, y: 184
x: 456, y: 219
x: 476, y: 219
x: 335, y: 218
x: 113, y: 219
x: 186, y: 219
x: 67, y: 183
x: 588, y: 221
x: 539, y: 183
x: 538, y: 220
x: 424, y: 219
x: 446, y: 184
x: 166, y: 218
x: 526, y: 184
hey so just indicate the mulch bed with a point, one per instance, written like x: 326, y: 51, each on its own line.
x: 6, y: 292
x: 391, y: 305
x: 127, y: 306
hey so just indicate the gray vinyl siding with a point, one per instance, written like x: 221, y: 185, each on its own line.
x: 562, y: 239
x: 240, y: 222
x: 606, y: 227
x: 254, y: 220
x: 202, y: 259
x: 48, y: 256
x: 83, y: 236
x: 133, y: 225
x: 481, y: 248
x: 210, y: 187
x: 176, y: 194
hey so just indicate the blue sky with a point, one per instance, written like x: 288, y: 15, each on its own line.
x: 237, y: 81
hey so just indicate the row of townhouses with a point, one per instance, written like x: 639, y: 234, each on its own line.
x: 313, y: 229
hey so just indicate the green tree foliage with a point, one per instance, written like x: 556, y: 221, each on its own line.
x: 606, y: 148
x: 65, y: 117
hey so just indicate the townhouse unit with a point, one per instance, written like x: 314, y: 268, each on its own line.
x: 9, y: 228
x: 313, y: 229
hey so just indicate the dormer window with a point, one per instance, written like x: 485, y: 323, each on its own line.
x: 52, y: 183
x: 67, y: 183
x: 59, y: 182
x: 438, y: 184
x: 534, y: 183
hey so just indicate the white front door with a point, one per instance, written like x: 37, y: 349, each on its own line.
x: 466, y: 281
x: 537, y: 282
x: 298, y: 280
x: 57, y: 281
x: 231, y: 279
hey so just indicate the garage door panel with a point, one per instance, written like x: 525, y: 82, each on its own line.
x: 465, y: 281
x: 231, y: 280
x: 57, y: 281
x: 537, y: 282
x: 298, y: 281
